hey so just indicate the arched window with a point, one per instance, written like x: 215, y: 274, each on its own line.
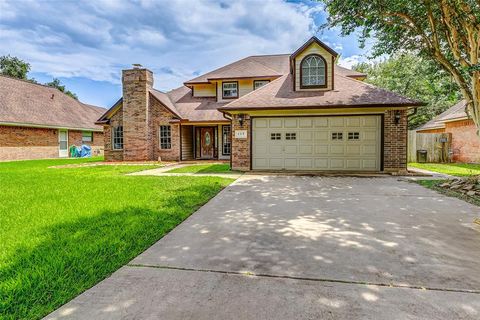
x: 313, y: 72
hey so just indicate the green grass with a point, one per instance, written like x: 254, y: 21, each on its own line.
x: 454, y: 169
x: 64, y: 230
x: 203, y: 168
x: 434, y: 185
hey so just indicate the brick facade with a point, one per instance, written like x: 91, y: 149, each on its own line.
x: 21, y: 143
x: 241, y: 147
x: 159, y: 116
x: 465, y: 141
x: 395, y: 141
x: 141, y: 116
x: 136, y: 84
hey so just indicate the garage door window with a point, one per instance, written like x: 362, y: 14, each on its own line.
x: 275, y: 136
x: 290, y: 136
x: 337, y: 135
x: 354, y: 136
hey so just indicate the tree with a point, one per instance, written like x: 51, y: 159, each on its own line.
x: 444, y: 31
x: 415, y: 78
x: 14, y: 67
x: 55, y: 83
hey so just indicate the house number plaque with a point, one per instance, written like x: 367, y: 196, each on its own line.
x: 241, y: 134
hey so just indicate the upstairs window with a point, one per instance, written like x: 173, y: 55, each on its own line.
x: 313, y: 72
x: 259, y: 83
x: 230, y: 90
x: 165, y: 137
x: 117, y: 137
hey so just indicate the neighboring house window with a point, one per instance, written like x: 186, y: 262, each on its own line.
x: 165, y: 137
x: 117, y: 138
x: 87, y: 136
x: 230, y: 90
x: 259, y: 83
x: 226, y: 141
x: 313, y: 72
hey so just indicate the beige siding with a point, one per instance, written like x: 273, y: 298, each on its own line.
x: 187, y: 142
x: 204, y: 90
x: 314, y: 48
x: 244, y: 85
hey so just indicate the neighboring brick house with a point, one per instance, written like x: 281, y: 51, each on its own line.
x: 465, y: 141
x: 38, y: 121
x: 296, y: 111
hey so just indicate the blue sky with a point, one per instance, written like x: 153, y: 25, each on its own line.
x: 86, y: 44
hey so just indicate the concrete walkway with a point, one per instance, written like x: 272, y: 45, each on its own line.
x: 164, y: 171
x: 271, y: 247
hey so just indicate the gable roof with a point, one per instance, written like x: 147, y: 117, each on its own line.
x: 308, y: 43
x: 279, y: 94
x: 29, y: 104
x: 455, y: 112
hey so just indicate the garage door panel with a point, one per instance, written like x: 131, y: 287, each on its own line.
x: 305, y: 149
x: 337, y: 163
x: 276, y: 163
x: 290, y: 123
x: 321, y: 149
x: 337, y: 149
x: 260, y: 123
x: 275, y: 123
x: 312, y: 147
x: 291, y: 163
x: 306, y: 123
x: 305, y: 135
x: 321, y: 135
x: 305, y: 163
x: 275, y: 149
x: 336, y: 121
x: 291, y: 149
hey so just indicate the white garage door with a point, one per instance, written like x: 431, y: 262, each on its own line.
x: 317, y: 143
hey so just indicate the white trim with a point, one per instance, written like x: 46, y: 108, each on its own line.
x: 62, y: 153
x: 32, y: 125
x: 456, y: 119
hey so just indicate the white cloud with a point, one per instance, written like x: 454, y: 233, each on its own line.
x: 176, y: 39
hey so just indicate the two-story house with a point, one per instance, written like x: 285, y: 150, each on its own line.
x: 296, y: 111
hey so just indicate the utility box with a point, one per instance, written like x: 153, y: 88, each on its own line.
x: 421, y: 156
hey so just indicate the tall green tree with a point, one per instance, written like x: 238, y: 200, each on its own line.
x: 444, y: 31
x: 14, y: 67
x: 56, y: 83
x: 413, y: 77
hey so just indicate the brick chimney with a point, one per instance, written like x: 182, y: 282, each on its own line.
x: 136, y: 84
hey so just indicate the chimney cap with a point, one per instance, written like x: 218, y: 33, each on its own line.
x: 136, y: 65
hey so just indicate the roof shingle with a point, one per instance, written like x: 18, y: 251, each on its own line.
x: 28, y: 103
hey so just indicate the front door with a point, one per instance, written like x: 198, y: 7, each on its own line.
x: 206, y: 143
x: 62, y: 143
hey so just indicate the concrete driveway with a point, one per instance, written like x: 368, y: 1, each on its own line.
x: 282, y: 247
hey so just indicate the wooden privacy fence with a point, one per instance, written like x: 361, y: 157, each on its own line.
x: 437, y: 145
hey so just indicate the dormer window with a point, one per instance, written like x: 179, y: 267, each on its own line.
x: 230, y: 90
x: 313, y: 72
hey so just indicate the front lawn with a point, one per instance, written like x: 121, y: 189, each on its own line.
x: 64, y: 230
x: 204, y: 168
x: 435, y: 185
x: 454, y: 169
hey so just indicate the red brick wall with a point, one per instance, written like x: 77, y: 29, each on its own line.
x: 110, y: 154
x: 19, y: 143
x: 395, y: 142
x: 136, y: 84
x: 159, y: 115
x: 465, y: 142
x: 241, y: 147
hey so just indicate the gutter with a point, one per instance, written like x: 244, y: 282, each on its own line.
x: 32, y: 125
